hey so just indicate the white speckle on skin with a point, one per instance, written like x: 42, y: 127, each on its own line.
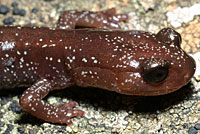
x: 45, y: 45
x: 84, y: 60
x: 6, y: 55
x: 22, y: 59
x: 25, y: 52
x: 7, y: 45
x: 27, y: 43
x: 134, y: 63
x: 30, y: 97
x: 59, y: 60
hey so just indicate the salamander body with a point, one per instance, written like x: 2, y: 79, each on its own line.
x: 127, y: 62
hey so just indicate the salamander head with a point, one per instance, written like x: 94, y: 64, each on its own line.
x: 159, y: 66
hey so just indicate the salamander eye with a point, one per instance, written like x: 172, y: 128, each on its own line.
x: 169, y: 36
x: 155, y: 70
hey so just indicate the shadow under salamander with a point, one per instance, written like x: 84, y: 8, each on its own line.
x: 112, y: 101
x: 108, y: 101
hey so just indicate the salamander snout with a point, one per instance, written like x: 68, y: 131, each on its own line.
x: 190, y: 68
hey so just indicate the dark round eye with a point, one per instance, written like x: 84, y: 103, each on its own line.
x: 155, y: 70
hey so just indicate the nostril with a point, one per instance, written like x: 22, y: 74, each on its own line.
x: 187, y: 77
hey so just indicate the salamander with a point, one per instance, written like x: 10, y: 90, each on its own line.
x: 128, y: 62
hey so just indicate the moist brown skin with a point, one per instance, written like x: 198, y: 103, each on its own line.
x: 44, y: 59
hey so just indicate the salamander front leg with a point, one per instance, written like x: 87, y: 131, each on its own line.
x: 31, y: 101
x: 104, y: 19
